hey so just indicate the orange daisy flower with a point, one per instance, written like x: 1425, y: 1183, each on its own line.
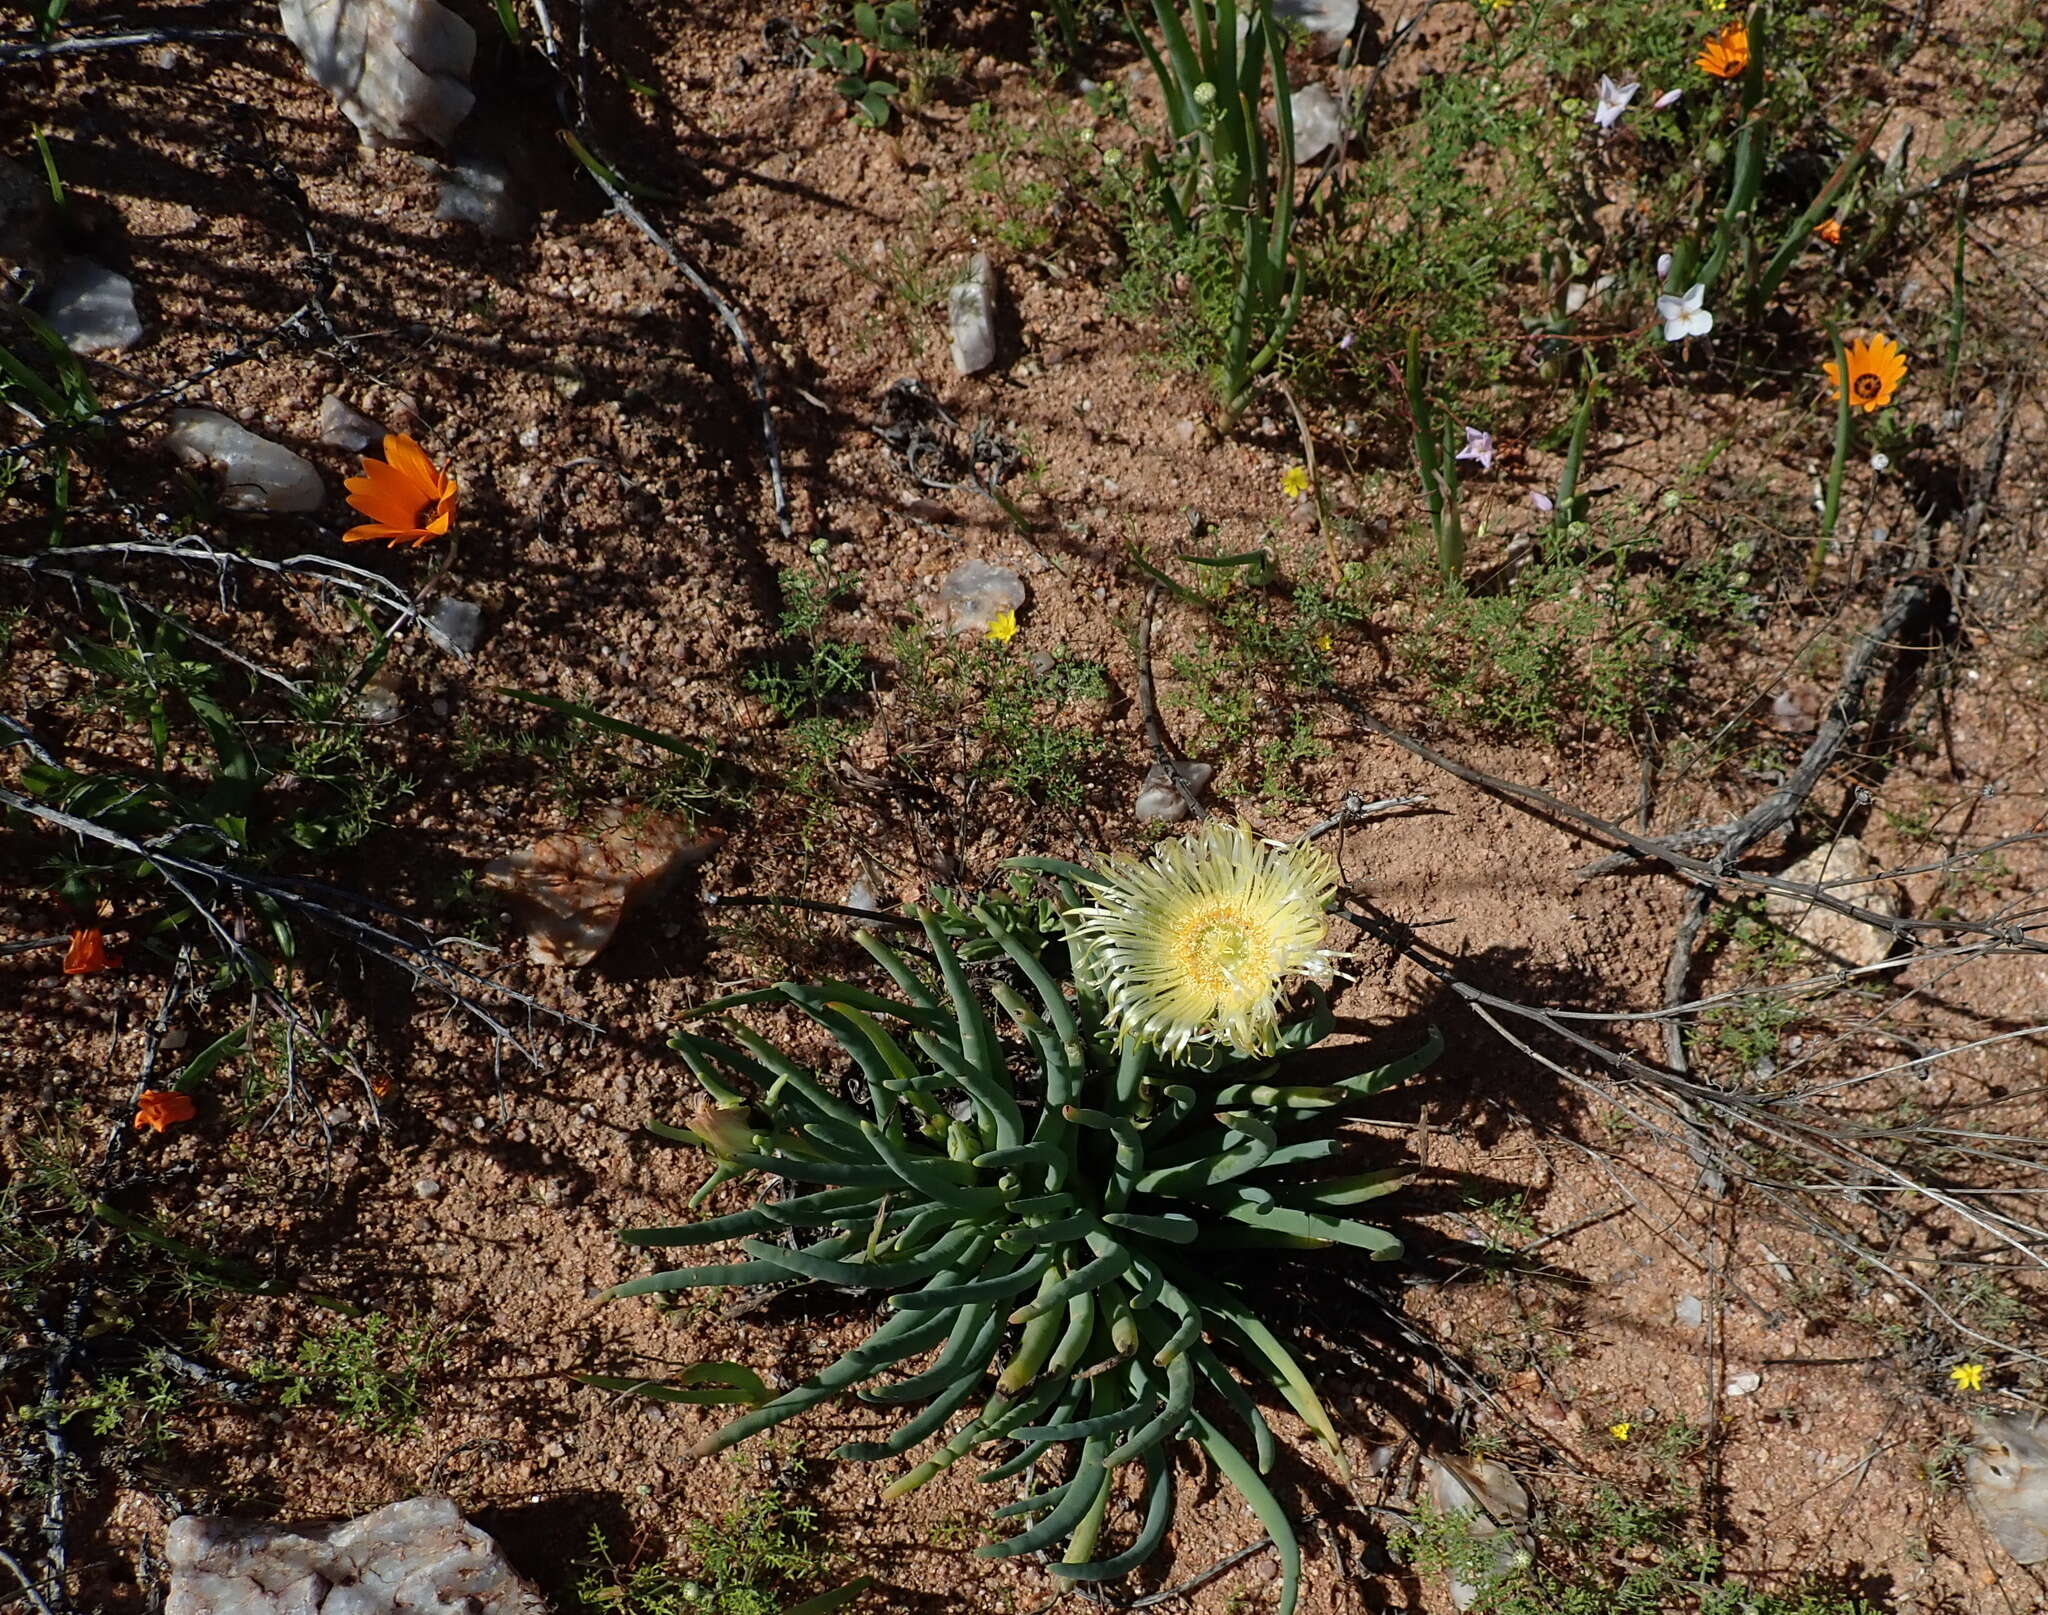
x: 408, y: 498
x: 1830, y: 231
x: 88, y: 952
x: 160, y: 1109
x: 1727, y: 53
x: 1876, y: 367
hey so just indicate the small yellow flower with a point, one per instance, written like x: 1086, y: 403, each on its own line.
x: 1196, y: 947
x: 1325, y: 643
x: 1967, y: 1376
x: 1295, y: 483
x: 1002, y: 627
x: 1620, y: 1431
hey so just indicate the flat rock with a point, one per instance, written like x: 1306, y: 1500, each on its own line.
x: 1837, y: 935
x: 971, y: 315
x: 343, y: 426
x: 975, y: 593
x: 418, y: 1557
x: 398, y: 69
x: 571, y: 891
x: 255, y: 473
x: 92, y: 308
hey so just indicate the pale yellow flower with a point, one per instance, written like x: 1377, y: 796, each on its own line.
x: 1002, y: 627
x: 1967, y: 1376
x: 1195, y: 947
x: 1295, y: 483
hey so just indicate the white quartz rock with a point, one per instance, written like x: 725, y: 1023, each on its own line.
x: 342, y: 426
x: 418, y: 1557
x: 1318, y: 123
x: 255, y: 473
x: 395, y: 67
x: 971, y: 312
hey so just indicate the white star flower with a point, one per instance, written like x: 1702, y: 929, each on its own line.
x: 1614, y: 100
x: 1685, y: 316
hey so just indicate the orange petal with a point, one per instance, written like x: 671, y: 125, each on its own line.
x: 410, y: 461
x: 384, y: 498
x: 369, y: 532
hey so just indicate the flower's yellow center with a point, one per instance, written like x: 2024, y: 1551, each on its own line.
x: 1219, y: 947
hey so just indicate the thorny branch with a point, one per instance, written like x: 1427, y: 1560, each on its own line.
x: 421, y: 958
x: 1911, y: 602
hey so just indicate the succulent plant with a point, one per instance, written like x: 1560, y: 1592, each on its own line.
x: 1040, y: 1204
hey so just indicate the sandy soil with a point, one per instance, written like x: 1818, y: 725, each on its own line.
x: 618, y: 536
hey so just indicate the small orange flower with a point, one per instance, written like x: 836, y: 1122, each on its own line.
x: 1830, y: 231
x: 88, y: 952
x: 1726, y: 55
x: 408, y: 498
x: 1876, y: 367
x: 160, y: 1109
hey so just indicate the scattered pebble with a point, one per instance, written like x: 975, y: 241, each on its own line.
x: 977, y: 592
x: 344, y: 427
x: 1160, y: 800
x: 92, y: 308
x: 457, y: 625
x: 1743, y: 1384
x: 971, y: 313
x: 1318, y: 123
x: 477, y: 190
x: 1689, y: 1312
x: 255, y: 473
x: 427, y: 1189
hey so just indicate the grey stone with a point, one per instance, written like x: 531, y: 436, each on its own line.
x: 396, y: 68
x: 977, y: 592
x: 1852, y: 875
x: 427, y: 1189
x: 971, y: 314
x: 1318, y: 122
x: 1690, y: 1312
x: 477, y: 190
x: 457, y: 625
x: 92, y: 308
x: 418, y: 1557
x: 255, y: 473
x: 1160, y: 801
x: 342, y: 426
